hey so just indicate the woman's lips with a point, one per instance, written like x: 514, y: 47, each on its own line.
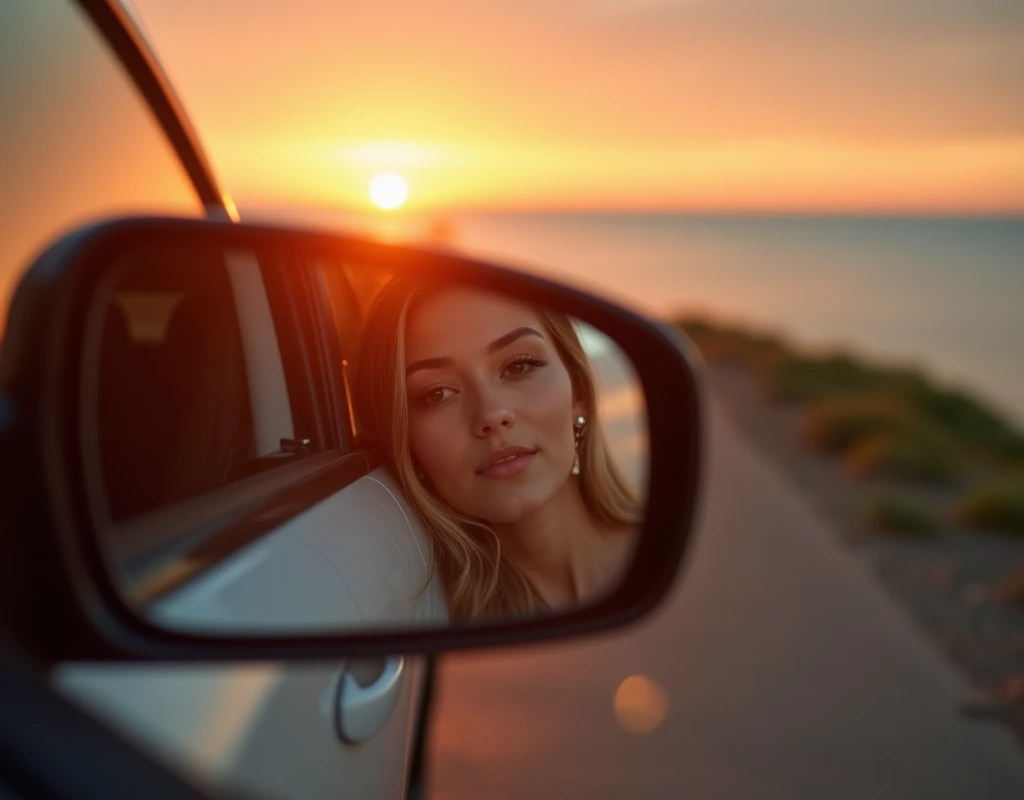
x: 508, y: 468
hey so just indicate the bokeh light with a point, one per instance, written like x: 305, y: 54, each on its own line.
x: 641, y: 704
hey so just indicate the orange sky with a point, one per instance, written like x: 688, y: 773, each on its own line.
x: 874, y: 105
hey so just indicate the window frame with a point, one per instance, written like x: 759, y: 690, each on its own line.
x: 305, y: 351
x: 162, y: 550
x: 336, y: 354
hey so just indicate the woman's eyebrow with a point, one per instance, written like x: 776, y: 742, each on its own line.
x: 428, y: 363
x: 508, y: 338
x: 493, y: 347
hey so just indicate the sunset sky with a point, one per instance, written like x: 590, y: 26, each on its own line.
x: 776, y: 105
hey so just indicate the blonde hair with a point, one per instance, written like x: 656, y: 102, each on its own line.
x: 467, y: 552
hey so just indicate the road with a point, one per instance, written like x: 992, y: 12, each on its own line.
x: 788, y: 673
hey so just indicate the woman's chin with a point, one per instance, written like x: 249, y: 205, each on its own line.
x: 513, y: 510
x: 515, y: 504
x: 507, y: 516
x: 508, y: 502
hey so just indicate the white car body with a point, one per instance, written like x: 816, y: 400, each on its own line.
x: 75, y: 131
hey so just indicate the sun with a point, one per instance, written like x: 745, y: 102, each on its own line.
x: 388, y: 190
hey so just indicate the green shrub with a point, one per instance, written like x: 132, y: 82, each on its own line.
x: 697, y: 326
x: 737, y: 345
x: 998, y: 506
x: 970, y: 422
x: 801, y: 378
x: 897, y: 514
x: 912, y: 401
x: 904, y: 456
x: 836, y: 424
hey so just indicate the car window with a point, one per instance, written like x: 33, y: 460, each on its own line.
x: 208, y: 417
x: 191, y: 391
x: 77, y: 140
x: 346, y: 315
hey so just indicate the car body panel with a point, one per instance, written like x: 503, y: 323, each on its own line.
x: 360, y: 558
x: 263, y: 728
x: 268, y: 728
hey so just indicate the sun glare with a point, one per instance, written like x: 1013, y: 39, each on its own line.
x: 388, y: 190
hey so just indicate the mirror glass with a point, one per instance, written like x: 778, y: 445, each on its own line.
x: 277, y: 444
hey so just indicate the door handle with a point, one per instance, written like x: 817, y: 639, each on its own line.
x: 367, y: 695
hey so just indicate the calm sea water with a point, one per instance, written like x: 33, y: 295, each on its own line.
x: 946, y: 295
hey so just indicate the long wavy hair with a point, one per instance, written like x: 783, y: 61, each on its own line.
x: 478, y: 581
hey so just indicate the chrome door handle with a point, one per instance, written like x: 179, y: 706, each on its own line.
x: 367, y: 695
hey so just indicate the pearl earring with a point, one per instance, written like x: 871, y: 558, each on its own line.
x: 580, y: 423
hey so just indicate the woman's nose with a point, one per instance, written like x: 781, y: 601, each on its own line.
x: 493, y: 415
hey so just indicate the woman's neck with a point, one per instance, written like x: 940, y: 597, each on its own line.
x: 566, y: 555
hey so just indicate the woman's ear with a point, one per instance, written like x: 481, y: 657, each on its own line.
x: 579, y: 408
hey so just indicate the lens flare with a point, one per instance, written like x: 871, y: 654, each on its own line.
x: 641, y: 704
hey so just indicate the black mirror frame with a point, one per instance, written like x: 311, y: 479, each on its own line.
x: 86, y: 618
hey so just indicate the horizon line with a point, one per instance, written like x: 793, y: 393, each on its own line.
x: 442, y: 211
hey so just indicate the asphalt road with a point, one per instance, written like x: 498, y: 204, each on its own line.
x: 788, y: 673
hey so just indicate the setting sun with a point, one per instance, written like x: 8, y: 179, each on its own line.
x: 388, y: 190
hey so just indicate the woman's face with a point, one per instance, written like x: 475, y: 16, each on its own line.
x: 491, y: 405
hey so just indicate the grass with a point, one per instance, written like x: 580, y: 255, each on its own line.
x: 886, y: 421
x: 902, y: 398
x: 970, y: 422
x: 760, y: 352
x: 836, y: 424
x: 904, y: 457
x: 997, y: 506
x: 802, y: 379
x: 899, y: 515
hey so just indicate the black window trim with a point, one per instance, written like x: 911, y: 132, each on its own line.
x: 286, y: 294
x: 336, y: 397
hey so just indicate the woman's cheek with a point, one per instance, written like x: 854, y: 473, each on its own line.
x: 548, y: 402
x: 419, y: 443
x: 432, y: 438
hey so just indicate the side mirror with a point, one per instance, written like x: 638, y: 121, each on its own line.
x: 245, y: 442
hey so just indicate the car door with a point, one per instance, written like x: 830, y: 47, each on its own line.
x: 79, y: 142
x: 236, y: 498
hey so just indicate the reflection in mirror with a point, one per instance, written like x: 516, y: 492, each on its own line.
x: 279, y: 446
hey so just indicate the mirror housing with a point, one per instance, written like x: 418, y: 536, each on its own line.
x: 75, y: 609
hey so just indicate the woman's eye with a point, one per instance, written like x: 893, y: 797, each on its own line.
x: 521, y: 366
x: 435, y: 395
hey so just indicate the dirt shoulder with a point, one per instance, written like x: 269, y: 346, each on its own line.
x: 950, y: 580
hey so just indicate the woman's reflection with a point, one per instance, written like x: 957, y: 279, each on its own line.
x: 486, y: 410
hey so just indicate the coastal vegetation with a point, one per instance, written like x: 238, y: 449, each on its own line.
x: 901, y: 515
x: 924, y: 481
x: 886, y: 424
x: 998, y: 505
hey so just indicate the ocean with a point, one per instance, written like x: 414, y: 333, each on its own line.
x: 945, y: 295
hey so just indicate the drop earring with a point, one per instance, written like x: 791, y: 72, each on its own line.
x: 577, y: 435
